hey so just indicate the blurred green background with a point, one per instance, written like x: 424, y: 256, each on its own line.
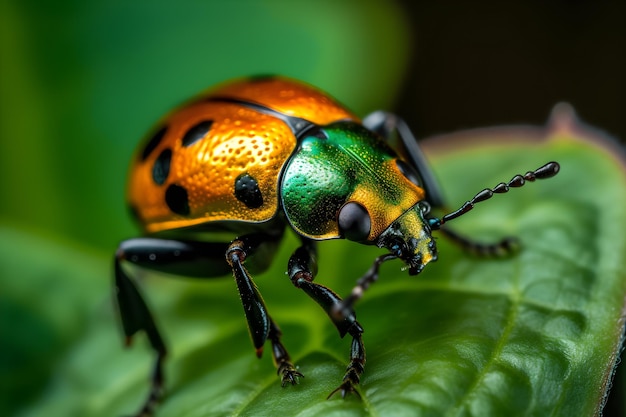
x: 81, y: 82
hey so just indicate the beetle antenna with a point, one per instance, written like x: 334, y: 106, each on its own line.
x: 546, y: 171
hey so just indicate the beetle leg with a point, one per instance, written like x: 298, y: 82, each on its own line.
x: 253, y: 304
x: 136, y: 316
x: 260, y: 324
x: 284, y: 367
x: 389, y: 125
x: 355, y: 368
x: 502, y: 248
x: 187, y: 258
x: 302, y: 269
x: 363, y: 283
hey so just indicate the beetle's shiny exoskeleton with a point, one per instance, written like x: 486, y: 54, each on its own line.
x: 256, y: 156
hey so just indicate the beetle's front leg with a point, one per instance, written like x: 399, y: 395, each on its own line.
x: 260, y: 324
x: 302, y: 269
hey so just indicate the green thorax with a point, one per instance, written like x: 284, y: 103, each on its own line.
x: 340, y: 163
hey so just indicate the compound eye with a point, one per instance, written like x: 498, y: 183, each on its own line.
x: 354, y: 222
x: 409, y: 172
x: 425, y: 207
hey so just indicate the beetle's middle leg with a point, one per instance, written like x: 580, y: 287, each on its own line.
x: 302, y: 269
x: 260, y: 324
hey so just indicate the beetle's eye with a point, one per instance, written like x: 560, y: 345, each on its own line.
x: 425, y: 207
x: 409, y: 172
x: 354, y: 222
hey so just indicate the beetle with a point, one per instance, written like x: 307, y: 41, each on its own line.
x: 256, y: 156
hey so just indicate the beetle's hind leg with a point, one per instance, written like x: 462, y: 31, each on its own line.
x: 136, y: 316
x: 189, y: 258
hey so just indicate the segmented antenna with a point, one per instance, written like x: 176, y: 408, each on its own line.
x: 547, y: 171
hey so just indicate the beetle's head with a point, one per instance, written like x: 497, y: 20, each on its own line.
x: 409, y: 238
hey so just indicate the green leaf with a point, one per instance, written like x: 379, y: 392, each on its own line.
x: 535, y: 334
x: 46, y: 290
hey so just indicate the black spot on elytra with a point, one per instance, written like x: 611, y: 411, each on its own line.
x: 177, y: 199
x: 247, y: 191
x: 153, y: 142
x: 161, y: 167
x: 197, y: 132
